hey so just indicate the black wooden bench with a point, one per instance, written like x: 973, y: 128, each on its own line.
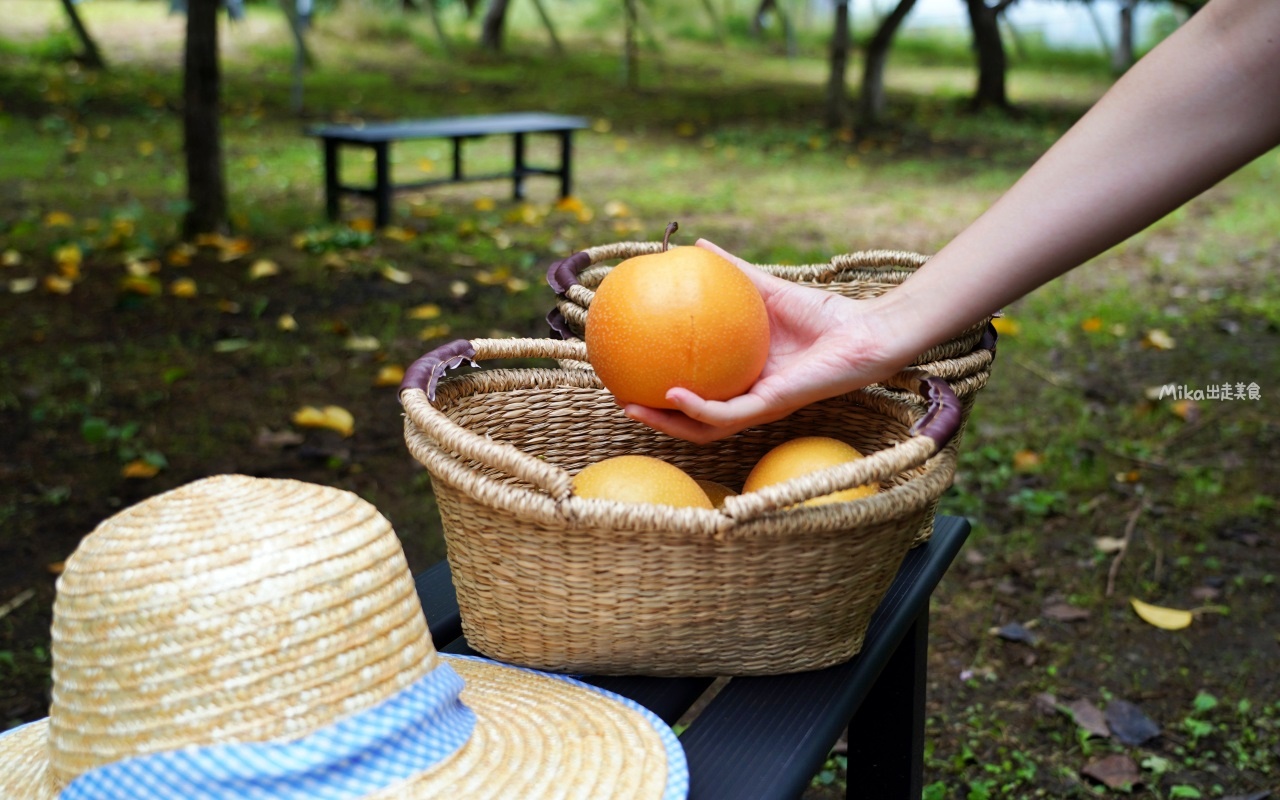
x: 765, y: 738
x: 380, y: 136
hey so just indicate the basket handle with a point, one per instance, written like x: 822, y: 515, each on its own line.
x: 563, y: 274
x: 418, y: 394
x: 929, y: 434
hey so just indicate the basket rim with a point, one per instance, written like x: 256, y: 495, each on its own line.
x: 554, y: 501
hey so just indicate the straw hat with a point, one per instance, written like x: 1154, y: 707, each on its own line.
x: 247, y: 637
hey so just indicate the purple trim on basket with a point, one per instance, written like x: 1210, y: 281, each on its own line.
x: 559, y: 325
x: 988, y: 342
x: 427, y: 371
x: 564, y: 273
x: 942, y: 419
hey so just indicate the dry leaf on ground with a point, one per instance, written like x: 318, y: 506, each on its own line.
x: 1170, y: 619
x: 1116, y: 772
x: 1089, y: 717
x: 334, y: 418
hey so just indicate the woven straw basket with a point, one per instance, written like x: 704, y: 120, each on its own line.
x: 550, y: 580
x: 963, y: 361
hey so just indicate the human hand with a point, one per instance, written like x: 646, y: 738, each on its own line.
x: 820, y: 345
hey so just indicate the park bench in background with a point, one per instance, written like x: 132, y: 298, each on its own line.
x: 764, y: 738
x: 380, y: 136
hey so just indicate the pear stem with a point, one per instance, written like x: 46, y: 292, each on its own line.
x: 672, y: 227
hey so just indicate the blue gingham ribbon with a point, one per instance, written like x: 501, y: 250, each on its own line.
x: 391, y: 741
x: 394, y: 740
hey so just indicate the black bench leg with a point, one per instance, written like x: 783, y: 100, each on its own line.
x: 457, y: 159
x: 381, y: 184
x: 566, y: 163
x: 331, y: 182
x: 517, y: 170
x: 886, y: 736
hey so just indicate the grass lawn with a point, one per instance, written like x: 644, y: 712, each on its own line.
x: 137, y: 362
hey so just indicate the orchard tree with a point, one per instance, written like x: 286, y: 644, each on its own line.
x: 91, y: 55
x: 988, y: 46
x: 871, y: 100
x: 201, y: 122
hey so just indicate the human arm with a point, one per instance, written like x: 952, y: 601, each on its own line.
x: 1198, y: 107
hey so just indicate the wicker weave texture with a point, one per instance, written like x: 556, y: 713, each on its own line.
x: 550, y: 580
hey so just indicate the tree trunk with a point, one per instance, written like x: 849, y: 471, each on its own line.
x: 837, y: 84
x: 1122, y: 57
x: 206, y: 181
x: 92, y: 56
x: 551, y: 29
x: 495, y: 19
x: 871, y: 101
x: 989, y: 49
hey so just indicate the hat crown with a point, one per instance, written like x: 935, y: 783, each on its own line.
x: 230, y: 609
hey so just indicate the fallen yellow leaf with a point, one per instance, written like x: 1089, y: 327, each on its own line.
x: 362, y: 225
x: 616, y: 208
x: 395, y: 275
x: 1026, y: 460
x: 286, y: 322
x: 1091, y: 325
x: 1170, y: 619
x: 142, y: 285
x: 184, y: 288
x: 526, y: 213
x: 68, y: 254
x: 389, y: 375
x: 516, y: 285
x: 141, y: 269
x: 1005, y: 326
x: 146, y: 148
x: 11, y: 258
x: 1157, y: 339
x: 426, y: 165
x: 459, y: 288
x: 486, y: 278
x: 362, y: 344
x: 180, y: 256
x: 424, y: 311
x: 398, y: 234
x: 56, y: 284
x: 584, y: 214
x: 569, y: 203
x: 433, y: 331
x: 334, y: 418
x: 263, y: 268
x: 57, y: 219
x: 22, y: 285
x: 1109, y: 544
x: 484, y: 204
x: 233, y: 249
x: 139, y: 469
x: 1186, y: 410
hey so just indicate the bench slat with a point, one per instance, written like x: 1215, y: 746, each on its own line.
x: 451, y: 127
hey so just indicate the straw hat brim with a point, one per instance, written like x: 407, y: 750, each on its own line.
x: 536, y: 736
